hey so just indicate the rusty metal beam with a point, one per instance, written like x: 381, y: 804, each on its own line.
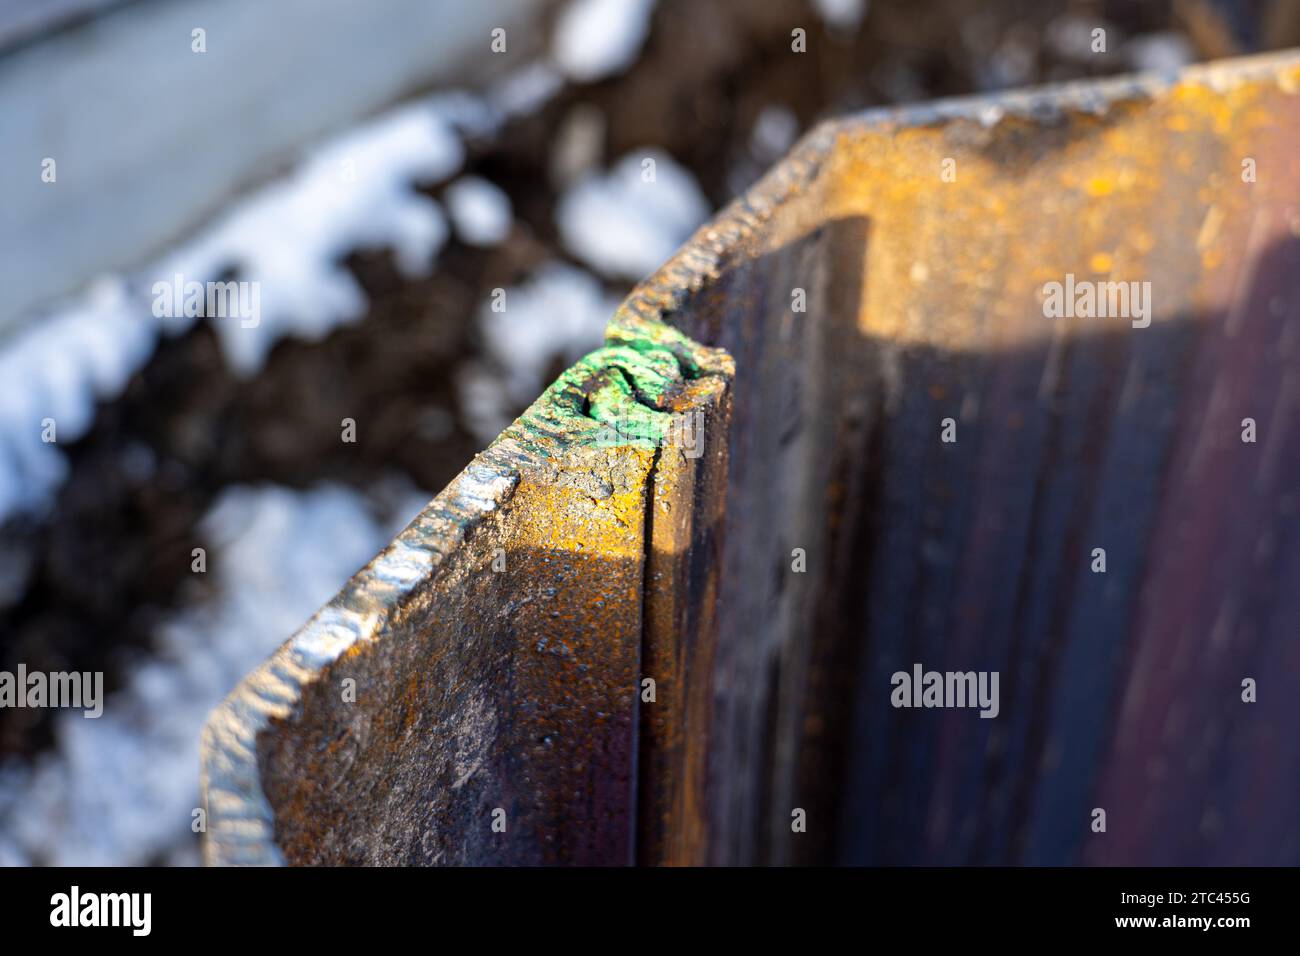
x: 919, y: 243
x: 485, y: 668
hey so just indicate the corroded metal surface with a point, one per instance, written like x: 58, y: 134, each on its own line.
x: 484, y: 669
x: 523, y: 690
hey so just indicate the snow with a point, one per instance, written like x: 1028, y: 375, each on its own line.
x: 844, y: 15
x: 290, y: 236
x: 774, y: 132
x: 480, y: 211
x: 560, y: 311
x: 485, y: 408
x: 626, y: 226
x: 527, y: 90
x: 1162, y: 53
x: 121, y: 789
x: 57, y: 369
x: 594, y: 39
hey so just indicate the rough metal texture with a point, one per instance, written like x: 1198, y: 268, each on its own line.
x: 494, y: 649
x: 480, y: 689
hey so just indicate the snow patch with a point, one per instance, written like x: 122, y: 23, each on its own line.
x: 598, y: 38
x: 626, y: 226
x: 480, y: 211
x: 57, y: 369
x: 774, y: 132
x: 1161, y: 53
x: 560, y: 312
x: 527, y: 90
x: 845, y: 15
x: 290, y: 236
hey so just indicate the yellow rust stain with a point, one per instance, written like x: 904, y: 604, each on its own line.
x: 1115, y: 195
x: 1099, y: 186
x: 601, y: 519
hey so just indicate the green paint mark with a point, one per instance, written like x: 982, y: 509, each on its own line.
x: 618, y: 394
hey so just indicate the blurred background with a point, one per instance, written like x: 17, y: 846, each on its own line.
x: 385, y: 171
